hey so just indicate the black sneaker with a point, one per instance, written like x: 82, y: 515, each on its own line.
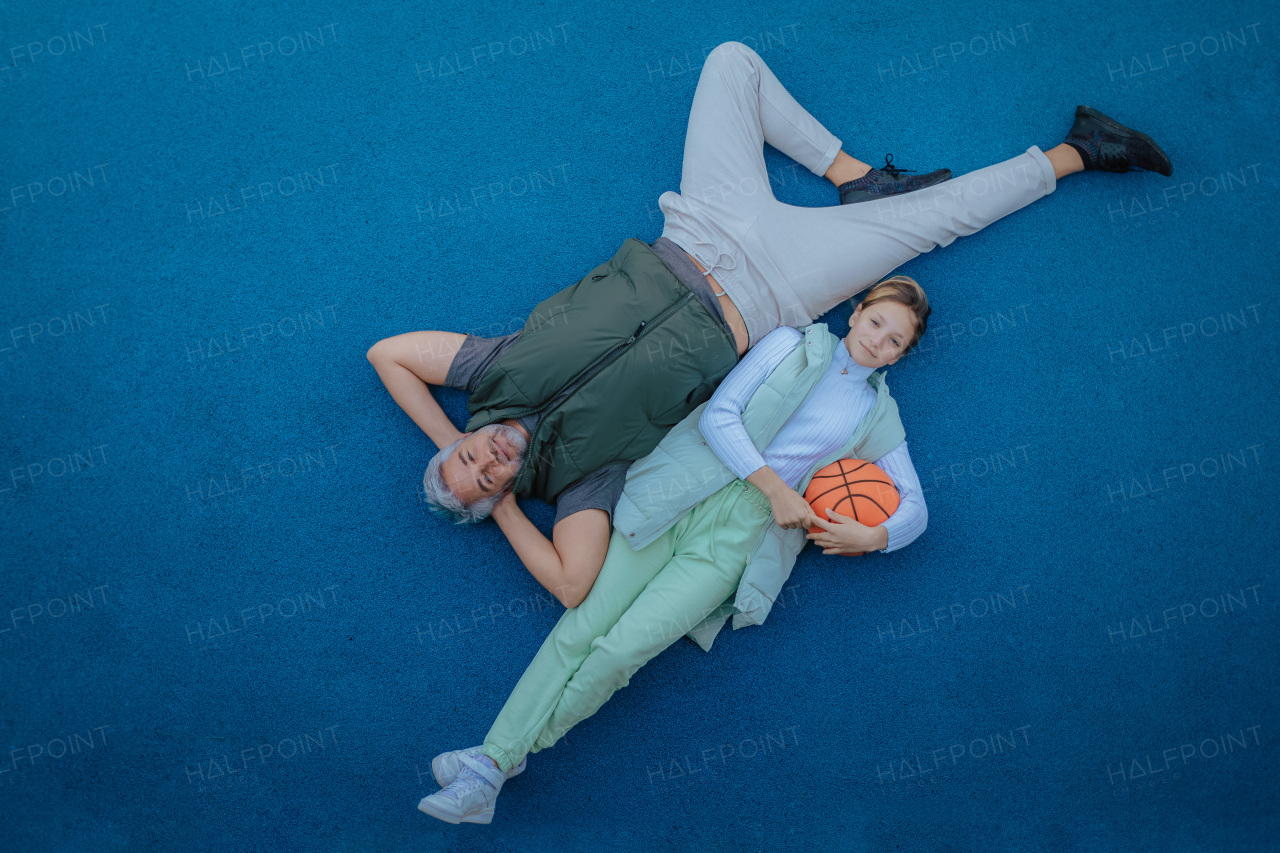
x: 1108, y: 146
x: 886, y: 181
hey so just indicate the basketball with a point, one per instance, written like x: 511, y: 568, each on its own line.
x: 854, y: 488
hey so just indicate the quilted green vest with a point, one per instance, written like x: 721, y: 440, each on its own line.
x: 609, y: 364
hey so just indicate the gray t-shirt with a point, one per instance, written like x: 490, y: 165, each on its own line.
x: 598, y: 490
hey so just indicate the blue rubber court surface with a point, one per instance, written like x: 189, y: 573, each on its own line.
x: 228, y: 622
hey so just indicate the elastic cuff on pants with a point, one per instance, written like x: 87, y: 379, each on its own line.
x: 500, y: 757
x: 1050, y: 179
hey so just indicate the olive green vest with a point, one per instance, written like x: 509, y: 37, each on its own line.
x: 609, y: 364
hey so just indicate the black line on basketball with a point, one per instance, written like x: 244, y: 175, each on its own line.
x: 849, y: 484
x: 888, y: 483
x: 842, y: 472
x: 875, y: 502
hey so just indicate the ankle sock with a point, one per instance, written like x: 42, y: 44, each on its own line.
x: 856, y: 183
x: 1087, y: 156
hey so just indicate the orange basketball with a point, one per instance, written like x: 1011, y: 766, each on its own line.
x: 854, y: 488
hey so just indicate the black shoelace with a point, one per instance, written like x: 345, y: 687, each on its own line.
x: 892, y: 170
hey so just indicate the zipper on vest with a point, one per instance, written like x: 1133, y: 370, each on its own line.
x: 596, y: 366
x: 585, y: 375
x: 661, y: 318
x: 605, y: 360
x: 580, y: 376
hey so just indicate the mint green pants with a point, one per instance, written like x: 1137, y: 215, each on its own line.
x: 642, y: 602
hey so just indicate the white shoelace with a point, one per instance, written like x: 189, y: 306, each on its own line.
x: 468, y: 780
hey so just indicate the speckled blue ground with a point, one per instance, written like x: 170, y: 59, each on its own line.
x: 227, y: 622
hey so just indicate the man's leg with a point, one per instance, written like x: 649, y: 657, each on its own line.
x: 738, y: 106
x: 815, y: 257
x: 623, y: 576
x: 811, y: 259
x: 724, y: 190
x: 1065, y: 161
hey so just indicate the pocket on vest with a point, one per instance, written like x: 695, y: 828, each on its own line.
x: 698, y: 395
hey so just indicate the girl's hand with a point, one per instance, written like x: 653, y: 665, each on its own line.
x: 844, y: 535
x: 791, y: 510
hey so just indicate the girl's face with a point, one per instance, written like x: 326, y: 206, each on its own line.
x: 879, y: 333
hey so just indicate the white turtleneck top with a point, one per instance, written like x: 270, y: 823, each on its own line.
x: 823, y: 423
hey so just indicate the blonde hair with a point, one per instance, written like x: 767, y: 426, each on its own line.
x: 906, y: 291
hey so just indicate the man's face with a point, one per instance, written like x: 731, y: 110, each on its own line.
x: 485, y: 463
x: 879, y: 335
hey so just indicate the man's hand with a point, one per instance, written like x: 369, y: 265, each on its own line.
x: 844, y: 535
x: 506, y: 505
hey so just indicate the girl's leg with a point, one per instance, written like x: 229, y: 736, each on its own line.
x: 711, y: 553
x: 622, y: 577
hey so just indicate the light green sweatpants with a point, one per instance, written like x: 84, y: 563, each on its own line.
x: 642, y: 602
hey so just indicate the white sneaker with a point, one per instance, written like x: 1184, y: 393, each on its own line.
x: 447, y: 765
x: 470, y: 797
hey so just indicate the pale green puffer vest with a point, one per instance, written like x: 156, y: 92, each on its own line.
x: 683, y: 470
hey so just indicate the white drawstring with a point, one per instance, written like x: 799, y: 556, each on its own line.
x: 733, y: 264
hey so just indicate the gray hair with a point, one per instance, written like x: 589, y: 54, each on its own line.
x: 443, y: 502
